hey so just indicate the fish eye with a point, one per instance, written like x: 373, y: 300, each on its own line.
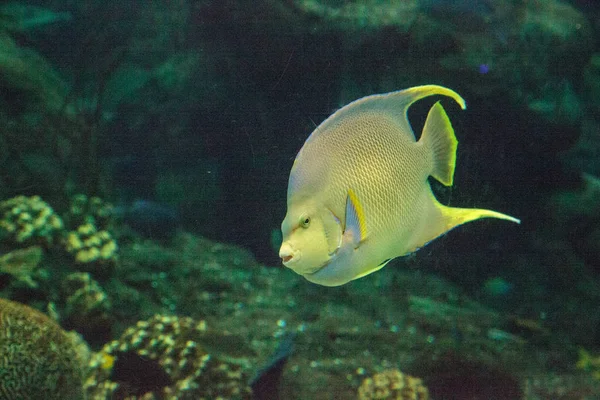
x: 305, y: 221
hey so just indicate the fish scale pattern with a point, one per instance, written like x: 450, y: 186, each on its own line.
x: 369, y: 153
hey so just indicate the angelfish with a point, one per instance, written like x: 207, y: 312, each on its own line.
x: 358, y: 194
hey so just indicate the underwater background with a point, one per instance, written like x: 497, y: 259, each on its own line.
x: 145, y: 150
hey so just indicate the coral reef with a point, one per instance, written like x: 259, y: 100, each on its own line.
x: 90, y: 246
x: 28, y: 220
x: 39, y: 359
x: 22, y: 264
x: 119, y: 116
x: 162, y: 358
x: 89, y: 210
x: 88, y: 307
x: 90, y: 240
x: 589, y: 363
x: 560, y: 387
x: 392, y: 385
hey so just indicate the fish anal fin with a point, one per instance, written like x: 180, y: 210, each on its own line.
x: 439, y: 141
x: 356, y: 225
x: 374, y: 269
x: 440, y: 219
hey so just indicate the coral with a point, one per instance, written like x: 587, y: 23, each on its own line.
x: 89, y: 210
x: 39, y: 359
x: 589, y: 363
x: 22, y: 264
x: 161, y: 359
x: 88, y: 245
x: 392, y: 385
x: 560, y: 387
x: 87, y: 307
x: 28, y: 220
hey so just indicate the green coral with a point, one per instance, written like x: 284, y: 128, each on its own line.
x: 89, y: 210
x: 392, y: 384
x: 39, y: 359
x: 589, y: 363
x: 22, y: 264
x: 89, y: 239
x: 88, y: 245
x: 171, y: 346
x: 28, y: 220
x: 88, y: 307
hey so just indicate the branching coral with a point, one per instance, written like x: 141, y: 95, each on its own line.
x: 28, y: 220
x: 162, y: 358
x: 39, y: 359
x: 90, y: 246
x: 392, y: 385
x: 89, y: 241
x: 89, y: 210
x: 88, y: 307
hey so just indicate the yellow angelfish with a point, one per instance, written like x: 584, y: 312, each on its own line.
x: 358, y: 194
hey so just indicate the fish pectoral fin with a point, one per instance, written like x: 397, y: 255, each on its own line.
x: 438, y: 137
x: 355, y: 219
x: 371, y: 270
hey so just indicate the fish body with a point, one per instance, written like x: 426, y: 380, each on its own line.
x: 150, y: 219
x: 358, y: 194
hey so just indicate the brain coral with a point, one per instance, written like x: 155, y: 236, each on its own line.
x: 161, y: 358
x: 392, y: 385
x: 39, y: 360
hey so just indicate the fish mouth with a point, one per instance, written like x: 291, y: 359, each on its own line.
x: 289, y: 256
x: 291, y: 260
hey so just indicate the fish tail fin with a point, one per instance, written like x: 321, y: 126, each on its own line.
x: 439, y: 140
x: 453, y: 217
x: 442, y: 219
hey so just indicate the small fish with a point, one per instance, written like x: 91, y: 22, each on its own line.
x: 150, y: 219
x: 266, y: 382
x: 358, y: 194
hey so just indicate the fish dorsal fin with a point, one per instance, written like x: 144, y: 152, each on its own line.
x: 395, y: 104
x: 438, y: 137
x: 356, y: 224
